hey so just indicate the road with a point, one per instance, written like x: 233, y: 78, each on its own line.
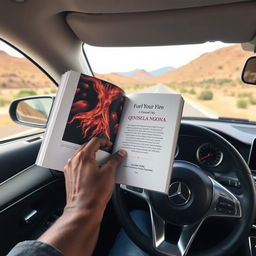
x: 190, y: 109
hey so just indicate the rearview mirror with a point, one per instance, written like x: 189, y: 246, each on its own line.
x: 31, y: 111
x: 249, y: 71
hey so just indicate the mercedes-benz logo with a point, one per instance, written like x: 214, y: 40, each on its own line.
x: 179, y: 193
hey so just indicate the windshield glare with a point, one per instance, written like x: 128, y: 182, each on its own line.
x: 207, y: 75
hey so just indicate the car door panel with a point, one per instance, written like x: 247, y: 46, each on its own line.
x: 22, y: 184
x: 17, y: 155
x: 29, y: 195
x: 13, y: 219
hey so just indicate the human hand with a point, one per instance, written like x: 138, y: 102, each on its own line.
x: 89, y: 186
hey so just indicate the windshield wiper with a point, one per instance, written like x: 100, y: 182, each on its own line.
x: 234, y: 120
x: 221, y: 119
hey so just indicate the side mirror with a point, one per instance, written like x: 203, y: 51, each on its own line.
x: 31, y: 111
x: 249, y: 71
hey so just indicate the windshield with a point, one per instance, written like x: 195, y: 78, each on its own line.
x: 207, y: 75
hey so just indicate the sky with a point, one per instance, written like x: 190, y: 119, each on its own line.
x: 148, y: 58
x: 124, y: 59
x: 9, y: 50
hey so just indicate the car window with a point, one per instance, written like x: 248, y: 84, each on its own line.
x: 19, y: 77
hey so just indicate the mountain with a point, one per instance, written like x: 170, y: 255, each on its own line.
x: 3, y: 53
x: 20, y: 73
x: 128, y: 73
x: 224, y: 63
x: 160, y: 71
x: 140, y: 75
x: 155, y: 72
x: 116, y: 79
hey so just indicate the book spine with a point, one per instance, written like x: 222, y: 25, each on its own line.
x: 52, y: 117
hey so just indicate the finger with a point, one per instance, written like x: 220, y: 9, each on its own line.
x: 116, y: 159
x: 81, y: 148
x: 94, y: 145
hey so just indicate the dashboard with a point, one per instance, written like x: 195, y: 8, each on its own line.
x: 202, y: 152
x: 210, y: 157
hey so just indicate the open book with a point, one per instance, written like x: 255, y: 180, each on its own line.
x: 145, y: 125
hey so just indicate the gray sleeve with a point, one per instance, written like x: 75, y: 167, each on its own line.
x: 29, y: 248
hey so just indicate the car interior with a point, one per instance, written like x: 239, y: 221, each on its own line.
x: 220, y: 218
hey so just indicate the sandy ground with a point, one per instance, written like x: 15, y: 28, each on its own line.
x: 225, y: 106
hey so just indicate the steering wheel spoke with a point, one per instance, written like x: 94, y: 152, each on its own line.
x: 158, y: 228
x: 139, y: 192
x: 224, y: 203
x: 187, y: 236
x: 160, y: 243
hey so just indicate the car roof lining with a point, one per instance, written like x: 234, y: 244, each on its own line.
x: 52, y: 32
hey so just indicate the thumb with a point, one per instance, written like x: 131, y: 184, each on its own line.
x: 116, y: 159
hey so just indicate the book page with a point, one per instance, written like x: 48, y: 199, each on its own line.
x: 148, y: 132
x: 95, y: 111
x: 85, y: 107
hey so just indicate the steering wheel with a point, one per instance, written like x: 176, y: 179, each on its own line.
x: 193, y: 197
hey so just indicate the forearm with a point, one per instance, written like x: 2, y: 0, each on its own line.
x: 75, y: 233
x: 89, y: 187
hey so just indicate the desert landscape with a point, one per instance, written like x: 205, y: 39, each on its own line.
x: 211, y: 81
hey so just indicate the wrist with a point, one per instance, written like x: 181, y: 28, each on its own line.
x: 86, y: 205
x: 78, y: 226
x: 82, y: 215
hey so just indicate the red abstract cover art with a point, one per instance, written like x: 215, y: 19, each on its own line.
x: 95, y: 111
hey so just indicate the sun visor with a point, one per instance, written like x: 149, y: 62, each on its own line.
x: 250, y: 46
x: 232, y: 24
